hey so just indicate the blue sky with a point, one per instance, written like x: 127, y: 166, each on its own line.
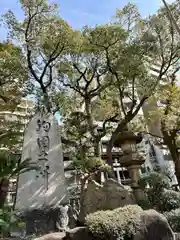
x: 85, y: 12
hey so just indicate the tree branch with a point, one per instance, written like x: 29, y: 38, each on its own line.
x: 121, y: 97
x: 27, y: 45
x: 50, y: 77
x: 8, y: 134
x: 128, y: 118
x: 52, y: 58
x: 68, y: 142
x: 111, y: 119
x: 171, y: 18
x: 142, y: 101
x: 75, y: 88
x: 82, y: 74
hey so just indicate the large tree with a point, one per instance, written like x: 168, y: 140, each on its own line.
x: 86, y: 75
x: 126, y: 61
x: 107, y: 65
x: 45, y: 38
x: 111, y: 66
x: 96, y: 69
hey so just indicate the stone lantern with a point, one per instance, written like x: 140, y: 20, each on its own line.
x: 131, y: 159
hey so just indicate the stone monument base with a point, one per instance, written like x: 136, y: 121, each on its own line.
x: 45, y: 220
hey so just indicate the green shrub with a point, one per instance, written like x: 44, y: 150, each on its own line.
x: 165, y: 201
x: 170, y: 200
x: 158, y: 194
x: 145, y: 204
x: 156, y: 181
x: 173, y: 218
x: 120, y: 223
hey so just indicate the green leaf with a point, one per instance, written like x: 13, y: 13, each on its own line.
x: 3, y: 224
x: 21, y: 224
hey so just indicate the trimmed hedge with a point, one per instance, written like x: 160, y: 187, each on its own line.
x: 121, y: 223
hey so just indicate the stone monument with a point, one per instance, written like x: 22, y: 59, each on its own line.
x: 42, y: 144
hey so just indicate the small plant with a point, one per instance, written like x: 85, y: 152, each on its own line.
x: 121, y: 223
x: 89, y: 168
x: 8, y: 221
x: 89, y: 165
x: 10, y: 166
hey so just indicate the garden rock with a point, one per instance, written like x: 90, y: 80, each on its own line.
x: 177, y: 236
x: 108, y: 196
x: 154, y: 225
x: 52, y: 236
x: 79, y: 233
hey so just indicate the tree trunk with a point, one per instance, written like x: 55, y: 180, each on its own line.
x: 109, y: 153
x: 97, y: 151
x: 170, y: 141
x: 4, y: 186
x: 121, y: 127
x: 47, y: 103
x: 82, y: 201
x: 177, y: 170
x: 176, y: 159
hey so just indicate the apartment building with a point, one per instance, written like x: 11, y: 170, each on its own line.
x: 158, y: 154
x: 20, y: 115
